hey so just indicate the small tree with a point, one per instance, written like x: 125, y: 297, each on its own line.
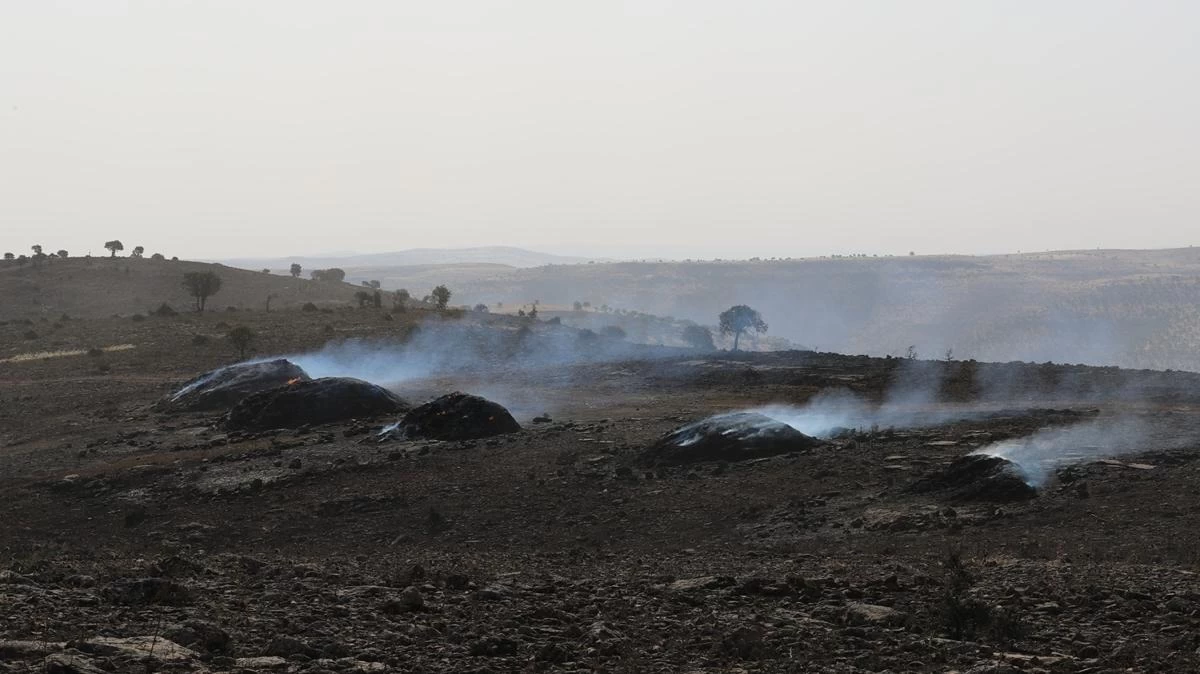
x: 201, y: 285
x: 441, y: 297
x: 533, y: 312
x: 738, y: 319
x: 400, y: 300
x: 114, y: 246
x: 698, y: 337
x: 295, y: 270
x: 578, y: 306
x: 375, y: 284
x: 22, y: 260
x: 10, y: 257
x: 157, y: 257
x: 241, y: 337
x: 363, y: 298
x: 37, y: 249
x: 63, y: 254
x: 266, y: 271
x: 138, y: 251
x: 481, y: 308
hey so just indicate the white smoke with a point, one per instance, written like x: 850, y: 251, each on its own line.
x: 1041, y: 454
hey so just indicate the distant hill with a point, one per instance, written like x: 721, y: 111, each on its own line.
x: 1134, y: 308
x: 495, y: 255
x: 99, y: 287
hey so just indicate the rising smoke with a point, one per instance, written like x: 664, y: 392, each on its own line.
x: 1049, y: 449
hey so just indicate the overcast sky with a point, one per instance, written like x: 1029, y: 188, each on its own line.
x: 675, y: 129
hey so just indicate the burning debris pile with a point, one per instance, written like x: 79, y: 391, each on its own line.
x: 979, y: 477
x: 456, y: 416
x: 227, y: 386
x: 315, y: 401
x: 730, y: 437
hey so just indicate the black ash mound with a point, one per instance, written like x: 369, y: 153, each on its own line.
x: 316, y: 401
x: 729, y: 437
x: 224, y: 387
x: 979, y: 477
x: 457, y: 416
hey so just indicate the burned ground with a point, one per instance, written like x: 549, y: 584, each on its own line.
x: 556, y: 548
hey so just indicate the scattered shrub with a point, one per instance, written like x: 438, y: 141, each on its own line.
x: 241, y: 337
x: 137, y: 318
x: 308, y: 306
x: 164, y: 309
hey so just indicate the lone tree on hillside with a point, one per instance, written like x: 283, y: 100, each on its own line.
x: 201, y: 285
x: 37, y: 249
x: 741, y: 318
x: 241, y: 338
x: 698, y: 337
x: 114, y: 246
x: 296, y: 269
x: 138, y: 251
x: 63, y: 254
x: 10, y: 257
x: 441, y: 296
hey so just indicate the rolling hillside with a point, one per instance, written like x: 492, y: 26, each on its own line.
x: 507, y: 256
x: 99, y: 287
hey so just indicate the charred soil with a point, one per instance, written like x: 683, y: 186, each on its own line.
x: 134, y: 538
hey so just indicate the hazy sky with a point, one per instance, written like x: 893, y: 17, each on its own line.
x: 697, y: 127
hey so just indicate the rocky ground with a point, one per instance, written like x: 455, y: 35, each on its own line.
x: 134, y: 538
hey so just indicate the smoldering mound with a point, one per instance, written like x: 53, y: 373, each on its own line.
x: 729, y: 437
x: 979, y: 477
x: 318, y: 401
x: 456, y: 416
x: 227, y: 386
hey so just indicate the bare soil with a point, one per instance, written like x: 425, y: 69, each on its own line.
x: 133, y: 539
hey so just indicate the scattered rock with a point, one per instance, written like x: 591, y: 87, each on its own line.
x: 141, y: 647
x: 18, y: 650
x: 871, y: 614
x: 70, y: 662
x: 131, y: 592
x: 269, y: 662
x: 701, y: 583
x: 199, y: 635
